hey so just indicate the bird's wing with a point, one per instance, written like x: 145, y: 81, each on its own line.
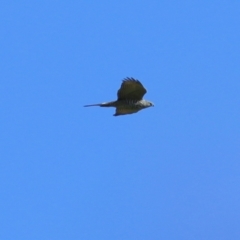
x: 124, y: 110
x: 131, y: 89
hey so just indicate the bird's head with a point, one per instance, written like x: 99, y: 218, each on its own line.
x: 149, y: 104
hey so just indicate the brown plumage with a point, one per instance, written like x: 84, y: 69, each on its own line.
x: 130, y: 98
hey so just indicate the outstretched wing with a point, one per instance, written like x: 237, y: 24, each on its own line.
x: 123, y: 110
x: 131, y: 89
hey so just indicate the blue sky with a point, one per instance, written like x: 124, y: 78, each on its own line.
x: 168, y: 172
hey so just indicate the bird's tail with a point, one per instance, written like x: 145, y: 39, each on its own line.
x: 91, y: 105
x: 106, y: 104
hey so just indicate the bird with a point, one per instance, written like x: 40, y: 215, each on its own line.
x: 129, y: 98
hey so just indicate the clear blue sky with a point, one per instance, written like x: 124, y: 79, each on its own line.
x: 168, y: 172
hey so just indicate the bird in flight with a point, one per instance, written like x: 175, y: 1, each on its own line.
x: 130, y: 98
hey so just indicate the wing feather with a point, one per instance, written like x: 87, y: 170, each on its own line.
x: 131, y: 89
x: 125, y: 110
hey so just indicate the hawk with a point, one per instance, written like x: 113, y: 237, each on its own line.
x: 130, y: 98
